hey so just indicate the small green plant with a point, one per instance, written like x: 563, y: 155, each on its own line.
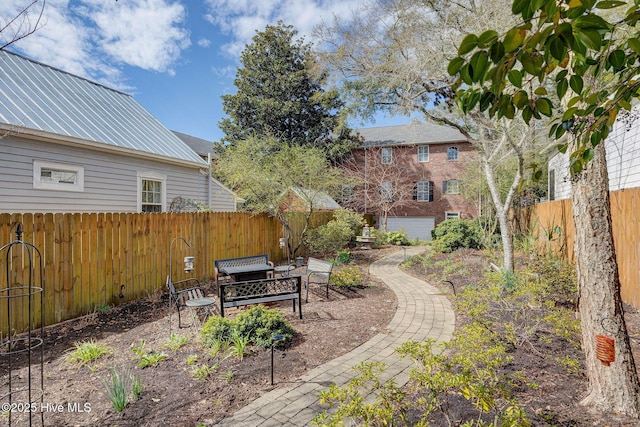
x: 347, y: 276
x: 191, y: 359
x: 176, y: 342
x: 229, y: 375
x: 344, y: 256
x: 202, y: 372
x: 104, y: 308
x: 117, y: 387
x: 238, y: 345
x: 146, y: 359
x: 136, y: 387
x: 87, y: 352
x: 216, y: 347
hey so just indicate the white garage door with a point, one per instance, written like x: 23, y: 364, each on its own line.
x: 415, y: 227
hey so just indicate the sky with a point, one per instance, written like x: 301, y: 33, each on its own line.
x: 175, y: 57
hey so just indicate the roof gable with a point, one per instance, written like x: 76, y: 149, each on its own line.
x: 410, y: 134
x: 42, y: 98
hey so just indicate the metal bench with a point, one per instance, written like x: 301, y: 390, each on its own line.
x: 236, y: 294
x: 178, y: 298
x: 244, y: 268
x: 318, y: 271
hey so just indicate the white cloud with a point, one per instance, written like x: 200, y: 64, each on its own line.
x: 240, y: 19
x: 94, y: 38
x: 204, y: 42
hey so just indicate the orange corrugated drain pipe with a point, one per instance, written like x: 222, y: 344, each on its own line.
x: 605, y: 349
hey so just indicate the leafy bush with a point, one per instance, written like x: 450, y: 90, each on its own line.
x: 260, y: 324
x: 257, y: 325
x: 390, y: 237
x: 336, y: 234
x: 347, y: 276
x: 456, y: 233
x: 216, y: 330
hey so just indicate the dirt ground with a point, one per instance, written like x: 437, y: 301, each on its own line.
x: 173, y: 396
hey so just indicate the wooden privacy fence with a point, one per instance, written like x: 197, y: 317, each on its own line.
x: 553, y: 221
x: 92, y: 260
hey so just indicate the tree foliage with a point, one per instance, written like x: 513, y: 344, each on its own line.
x: 264, y: 173
x: 278, y: 95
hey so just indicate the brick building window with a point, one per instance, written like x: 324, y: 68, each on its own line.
x: 452, y: 153
x: 386, y: 190
x: 423, y: 153
x: 451, y: 187
x: 423, y: 191
x: 386, y: 156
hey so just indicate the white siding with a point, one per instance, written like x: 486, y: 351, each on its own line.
x: 415, y: 227
x: 623, y: 157
x: 110, y: 180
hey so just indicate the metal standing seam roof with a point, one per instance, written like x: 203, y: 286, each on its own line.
x: 39, y: 97
x: 410, y: 134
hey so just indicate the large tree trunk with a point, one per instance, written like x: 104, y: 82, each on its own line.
x: 614, y: 387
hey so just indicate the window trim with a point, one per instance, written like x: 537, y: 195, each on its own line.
x: 428, y: 153
x: 445, y: 186
x: 153, y: 176
x: 383, y: 156
x: 452, y: 215
x: 39, y: 165
x: 429, y: 191
x: 452, y: 149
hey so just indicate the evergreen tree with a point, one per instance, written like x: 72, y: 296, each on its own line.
x: 279, y: 96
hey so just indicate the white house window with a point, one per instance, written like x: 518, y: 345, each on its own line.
x: 451, y: 187
x: 57, y: 176
x: 386, y: 189
x: 151, y: 192
x: 452, y: 153
x: 423, y: 191
x: 386, y: 156
x: 423, y: 153
x: 451, y: 215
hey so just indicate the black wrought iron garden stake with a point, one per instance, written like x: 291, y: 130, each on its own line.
x: 22, y: 332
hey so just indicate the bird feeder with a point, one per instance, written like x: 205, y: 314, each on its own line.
x: 605, y: 349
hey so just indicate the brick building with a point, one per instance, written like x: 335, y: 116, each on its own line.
x: 411, y: 175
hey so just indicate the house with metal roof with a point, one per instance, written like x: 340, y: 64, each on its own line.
x: 412, y: 175
x: 68, y: 144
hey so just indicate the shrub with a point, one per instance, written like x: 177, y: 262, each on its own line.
x: 456, y: 233
x: 397, y: 238
x: 347, y: 276
x: 336, y: 234
x: 216, y: 330
x: 258, y: 325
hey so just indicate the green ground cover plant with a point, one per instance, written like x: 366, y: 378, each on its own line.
x: 87, y: 352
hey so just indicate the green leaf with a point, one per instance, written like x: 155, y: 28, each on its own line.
x: 609, y: 4
x: 520, y: 99
x: 591, y: 21
x: 454, y: 65
x: 587, y: 155
x: 479, y: 63
x: 469, y: 43
x: 561, y: 88
x: 576, y: 83
x: 576, y: 166
x: 561, y: 75
x: 562, y: 148
x: 557, y: 48
x: 518, y: 6
x: 515, y: 77
x: 532, y: 63
x: 616, y: 59
x: 487, y: 37
x: 465, y: 75
x: 634, y: 44
x: 544, y: 106
x: 513, y: 39
x: 591, y: 38
x: 527, y: 113
x: 540, y: 91
x: 496, y: 52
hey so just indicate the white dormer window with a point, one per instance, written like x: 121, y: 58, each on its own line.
x: 386, y: 156
x: 57, y: 176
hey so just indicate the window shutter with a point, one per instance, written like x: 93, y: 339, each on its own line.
x: 431, y: 191
x: 415, y: 191
x: 444, y: 187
